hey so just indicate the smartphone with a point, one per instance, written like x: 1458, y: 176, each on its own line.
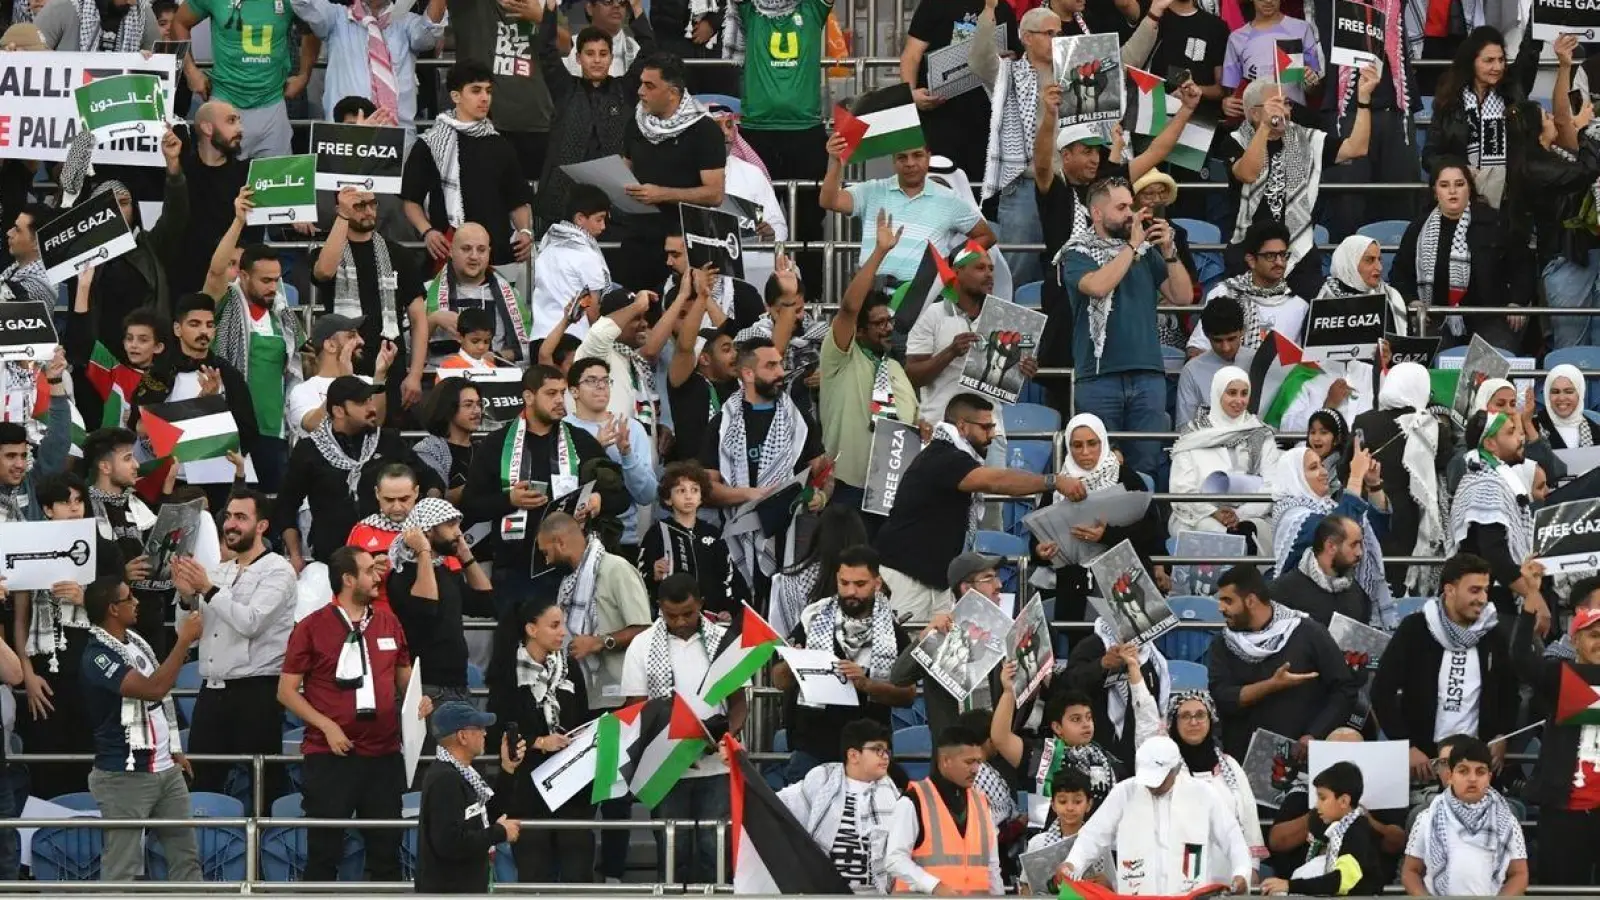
x: 513, y: 737
x: 1574, y: 101
x: 1181, y: 77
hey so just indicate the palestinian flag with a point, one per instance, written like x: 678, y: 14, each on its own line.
x: 671, y: 738
x: 41, y: 413
x: 746, y: 646
x: 1277, y: 376
x: 772, y: 852
x: 191, y: 430
x: 879, y: 123
x: 1577, y: 701
x: 1289, y: 65
x: 614, y: 737
x: 932, y: 283
x: 1194, y: 143
x: 152, y: 481
x: 115, y: 383
x: 1147, y: 103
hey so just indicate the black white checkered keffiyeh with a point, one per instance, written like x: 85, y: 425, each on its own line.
x: 48, y: 620
x: 804, y: 352
x: 1119, y: 696
x: 1252, y: 297
x: 1451, y: 636
x: 135, y: 715
x: 1490, y: 495
x: 1002, y: 799
x: 1228, y: 774
x: 130, y: 31
x: 659, y: 679
x: 30, y: 279
x: 1460, y: 262
x: 1013, y: 122
x: 733, y: 21
x: 1333, y: 839
x: 474, y: 780
x: 234, y: 330
x: 435, y: 451
x: 328, y: 446
x: 1289, y: 186
x: 780, y: 453
x: 443, y: 143
x: 1490, y: 824
x: 643, y: 375
x: 428, y: 514
x: 1101, y: 250
x: 1254, y: 646
x: 1486, y: 147
x: 543, y: 680
x: 947, y: 433
x: 347, y: 286
x: 824, y: 627
x: 656, y: 130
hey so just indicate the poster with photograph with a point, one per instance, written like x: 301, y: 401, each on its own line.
x: 1362, y: 646
x: 1201, y: 580
x: 1031, y: 649
x: 1481, y: 363
x: 1089, y: 69
x: 1127, y: 597
x: 1006, y: 334
x: 1115, y: 506
x: 1270, y: 767
x: 960, y: 659
x: 1039, y: 866
x: 174, y: 533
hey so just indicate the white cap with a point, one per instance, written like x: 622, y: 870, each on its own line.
x: 1156, y: 759
x: 1082, y: 133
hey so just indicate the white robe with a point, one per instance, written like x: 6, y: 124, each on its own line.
x: 1155, y: 836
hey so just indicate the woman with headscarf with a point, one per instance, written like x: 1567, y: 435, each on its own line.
x: 1192, y: 724
x: 1562, y: 421
x: 1231, y: 441
x: 1411, y: 448
x: 1301, y: 499
x: 1357, y: 269
x: 1458, y: 254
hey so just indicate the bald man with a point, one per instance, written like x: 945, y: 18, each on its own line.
x: 616, y: 606
x: 468, y: 282
x: 215, y: 173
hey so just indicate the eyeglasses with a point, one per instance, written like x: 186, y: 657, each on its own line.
x: 1198, y: 715
x: 985, y: 579
x: 1271, y: 255
x: 986, y: 426
x: 880, y: 749
x: 594, y: 382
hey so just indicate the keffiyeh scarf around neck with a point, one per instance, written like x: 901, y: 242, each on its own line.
x: 1459, y: 264
x: 130, y: 31
x: 1013, y: 122
x: 659, y: 678
x: 1101, y: 249
x: 1289, y: 186
x: 443, y: 141
x: 1207, y: 756
x: 1292, y: 504
x: 347, y: 286
x: 1491, y: 493
x: 1255, y: 646
x: 656, y: 130
x: 780, y: 453
x: 1333, y: 839
x: 576, y: 599
x: 354, y: 668
x: 1487, y: 124
x: 135, y: 714
x: 31, y: 277
x: 947, y: 433
x: 1252, y: 297
x: 480, y: 788
x: 542, y: 680
x: 1490, y: 824
x: 826, y: 625
x: 1119, y: 696
x: 47, y: 621
x: 733, y: 21
x: 334, y: 453
x: 1451, y: 636
x: 1091, y: 759
x: 234, y: 330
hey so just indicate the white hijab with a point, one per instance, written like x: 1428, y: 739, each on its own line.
x: 1107, y: 460
x: 1487, y: 390
x: 1406, y: 386
x: 1346, y: 268
x: 1218, y: 426
x: 1574, y: 377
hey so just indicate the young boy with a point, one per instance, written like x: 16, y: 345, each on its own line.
x: 683, y: 542
x: 141, y: 344
x: 1038, y: 761
x: 1343, y: 860
x: 1469, y: 840
x: 476, y: 328
x: 1069, y: 809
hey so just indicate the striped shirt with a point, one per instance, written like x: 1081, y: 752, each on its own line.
x: 936, y: 214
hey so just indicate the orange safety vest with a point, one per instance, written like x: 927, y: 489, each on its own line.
x: 959, y: 861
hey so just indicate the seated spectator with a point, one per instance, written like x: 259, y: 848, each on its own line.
x: 845, y: 806
x: 1193, y: 724
x: 683, y: 488
x: 811, y: 577
x: 1098, y: 667
x: 1459, y: 254
x: 434, y: 581
x: 1231, y: 440
x: 1469, y: 841
x: 570, y: 261
x: 1252, y: 56
x: 625, y: 441
x: 1261, y: 292
x: 1278, y: 165
x: 1274, y: 669
x: 1448, y: 671
x: 1070, y: 805
x: 1490, y: 514
x: 1411, y: 450
x: 1343, y: 572
x: 944, y: 824
x: 1348, y: 862
x: 475, y: 329
x: 1328, y: 436
x: 1497, y: 395
x: 469, y: 282
x: 1472, y: 102
x: 1222, y: 322
x: 372, y: 52
x: 1070, y: 742
x: 1561, y: 420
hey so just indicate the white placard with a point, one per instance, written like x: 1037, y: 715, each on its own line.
x: 36, y: 555
x: 1579, y: 460
x: 1385, y: 769
x: 560, y: 777
x: 413, y: 727
x: 817, y: 673
x: 42, y: 115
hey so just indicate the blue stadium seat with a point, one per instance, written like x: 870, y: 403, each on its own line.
x: 283, y: 850
x: 1405, y: 606
x: 474, y: 676
x: 1027, y: 295
x: 1187, y: 676
x: 999, y: 543
x: 410, y: 803
x: 1031, y: 455
x: 1186, y: 643
x: 907, y: 716
x: 69, y: 854
x: 1386, y: 232
x: 82, y: 801
x: 222, y: 850
x: 918, y: 740
x: 1030, y: 417
x: 773, y: 771
x: 1585, y: 358
x: 719, y: 100
x: 291, y: 745
x: 1208, y: 263
x: 1319, y: 236
x: 189, y: 680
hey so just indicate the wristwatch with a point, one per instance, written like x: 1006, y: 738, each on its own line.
x: 610, y: 642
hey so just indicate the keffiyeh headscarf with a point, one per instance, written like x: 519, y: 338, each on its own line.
x: 1106, y: 472
x: 1459, y: 264
x: 1492, y: 493
x: 135, y: 713
x: 1255, y: 646
x: 443, y: 141
x: 656, y: 130
x: 1101, y: 249
x: 1574, y: 428
x: 1344, y: 279
x: 1119, y: 696
x: 328, y: 445
x: 428, y: 514
x: 1408, y: 387
x: 1490, y: 825
x: 825, y: 625
x: 542, y: 680
x: 1206, y: 756
x: 1293, y: 502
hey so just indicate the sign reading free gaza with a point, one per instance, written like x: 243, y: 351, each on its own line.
x: 39, y: 113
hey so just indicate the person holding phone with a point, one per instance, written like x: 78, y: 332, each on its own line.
x: 462, y: 818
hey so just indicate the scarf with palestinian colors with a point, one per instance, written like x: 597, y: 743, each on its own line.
x: 514, y: 467
x: 883, y: 400
x: 443, y: 141
x: 443, y: 294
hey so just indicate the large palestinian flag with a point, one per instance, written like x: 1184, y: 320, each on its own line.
x: 614, y: 737
x: 645, y: 748
x: 115, y: 383
x: 1277, y: 376
x: 879, y: 123
x: 772, y: 852
x: 1577, y: 701
x: 746, y: 646
x: 191, y: 430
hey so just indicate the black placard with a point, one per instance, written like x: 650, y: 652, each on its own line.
x: 1553, y: 18
x: 360, y: 156
x: 1344, y: 328
x: 710, y: 236
x: 1566, y: 537
x: 26, y: 332
x: 88, y: 233
x: 1358, y: 31
x: 1419, y: 350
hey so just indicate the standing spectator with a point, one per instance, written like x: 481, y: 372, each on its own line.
x: 459, y: 822
x: 337, y: 345
x: 434, y: 580
x: 702, y: 374
x: 1222, y: 321
x: 21, y: 468
x: 1182, y: 34
x: 1490, y: 515
x: 604, y: 601
x: 249, y: 603
x: 570, y: 261
x: 1115, y: 283
x: 353, y: 664
x: 452, y: 415
x: 13, y: 674
x: 942, y: 837
x: 372, y: 52
x: 1410, y: 465
x: 856, y: 796
x: 948, y: 121
x: 1069, y: 740
x: 396, y: 491
x: 123, y: 26
x: 250, y: 67
x: 939, y: 504
x: 1262, y: 292
x: 501, y: 38
x: 139, y: 766
x: 623, y: 337
x: 470, y: 173
x: 812, y: 577
x: 1098, y: 668
x: 796, y: 333
x: 1448, y: 671
x: 1193, y: 725
x: 747, y: 180
x: 24, y: 278
x: 684, y: 487
x: 1278, y: 670
x: 857, y: 626
x: 860, y: 380
x: 214, y: 169
x: 1252, y: 55
x: 610, y: 18
x: 194, y: 370
x: 728, y: 299
x: 625, y: 441
x: 1469, y: 839
x: 928, y: 213
x: 1473, y: 100
x: 936, y: 348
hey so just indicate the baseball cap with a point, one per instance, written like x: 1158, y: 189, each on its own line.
x: 1584, y: 618
x: 967, y: 565
x: 728, y: 328
x: 327, y: 326
x: 1079, y: 134
x: 453, y: 715
x: 1155, y: 760
x: 349, y: 389
x: 615, y: 300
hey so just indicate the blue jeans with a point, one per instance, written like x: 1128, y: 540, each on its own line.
x: 1130, y: 401
x: 1019, y: 224
x: 705, y: 799
x: 1568, y: 285
x: 800, y: 762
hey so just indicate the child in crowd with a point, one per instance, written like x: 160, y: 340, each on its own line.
x: 1039, y: 761
x: 1069, y: 809
x: 1469, y: 841
x: 476, y: 329
x: 684, y: 542
x: 1343, y: 861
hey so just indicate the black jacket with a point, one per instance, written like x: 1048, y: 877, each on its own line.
x: 722, y: 587
x: 1084, y: 673
x: 1547, y: 428
x: 1405, y: 690
x: 1450, y: 131
x: 1296, y: 591
x: 511, y: 703
x: 333, y: 510
x: 1361, y: 845
x: 1378, y: 428
x: 1551, y: 786
x: 1314, y: 707
x: 1502, y: 272
x: 452, y: 841
x: 142, y: 281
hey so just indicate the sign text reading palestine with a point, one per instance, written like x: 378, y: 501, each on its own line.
x: 38, y: 117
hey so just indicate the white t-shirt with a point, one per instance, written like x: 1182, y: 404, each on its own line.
x: 160, y: 731
x: 1460, y: 694
x: 1471, y: 863
x: 847, y: 840
x: 306, y: 396
x: 1287, y: 318
x: 935, y: 329
x: 690, y: 661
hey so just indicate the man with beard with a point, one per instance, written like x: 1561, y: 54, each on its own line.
x: 1261, y: 291
x: 1275, y: 669
x: 433, y: 581
x: 17, y: 477
x: 339, y: 349
x: 123, y: 518
x: 249, y: 604
x: 360, y: 276
x: 858, y: 627
x: 122, y: 26
x: 1336, y: 551
x: 397, y: 492
x: 700, y: 376
x: 335, y: 467
x: 215, y: 173
x: 522, y: 467
x: 1491, y: 515
x: 756, y: 442
x: 1448, y: 671
x: 796, y: 333
x: 943, y: 333
x: 25, y: 278
x: 604, y: 600
x: 938, y: 504
x: 468, y: 282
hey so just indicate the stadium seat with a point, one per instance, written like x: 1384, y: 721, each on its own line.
x: 1186, y: 643
x: 1030, y: 417
x: 1032, y: 455
x: 914, y: 740
x: 1387, y: 233
x: 1207, y: 263
x: 1405, y: 606
x: 222, y: 850
x: 69, y: 854
x: 1585, y: 358
x: 474, y: 676
x: 82, y: 801
x: 291, y: 747
x: 410, y: 804
x: 1027, y: 295
x: 773, y: 771
x: 283, y: 849
x: 907, y: 716
x: 188, y: 680
x: 1187, y: 676
x: 1319, y: 236
x: 999, y: 543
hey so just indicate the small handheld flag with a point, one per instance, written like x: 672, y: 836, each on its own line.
x: 1289, y: 62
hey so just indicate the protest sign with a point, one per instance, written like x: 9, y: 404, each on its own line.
x: 1553, y: 18
x: 1006, y: 333
x: 960, y: 659
x: 175, y: 532
x: 1115, y: 506
x: 1358, y: 32
x: 1128, y: 598
x: 36, y: 555
x: 367, y: 157
x: 27, y: 333
x: 565, y: 772
x: 894, y: 446
x: 285, y: 190
x: 1363, y: 647
x: 499, y: 388
x: 816, y: 672
x: 1201, y: 580
x: 1344, y: 328
x: 612, y: 175
x: 1481, y: 363
x: 1271, y: 769
x: 1039, y: 866
x: 41, y: 117
x: 88, y: 233
x: 1566, y: 537
x: 950, y: 72
x: 1030, y: 647
x: 710, y: 237
x: 1089, y: 69
x: 122, y: 106
x: 1419, y: 350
